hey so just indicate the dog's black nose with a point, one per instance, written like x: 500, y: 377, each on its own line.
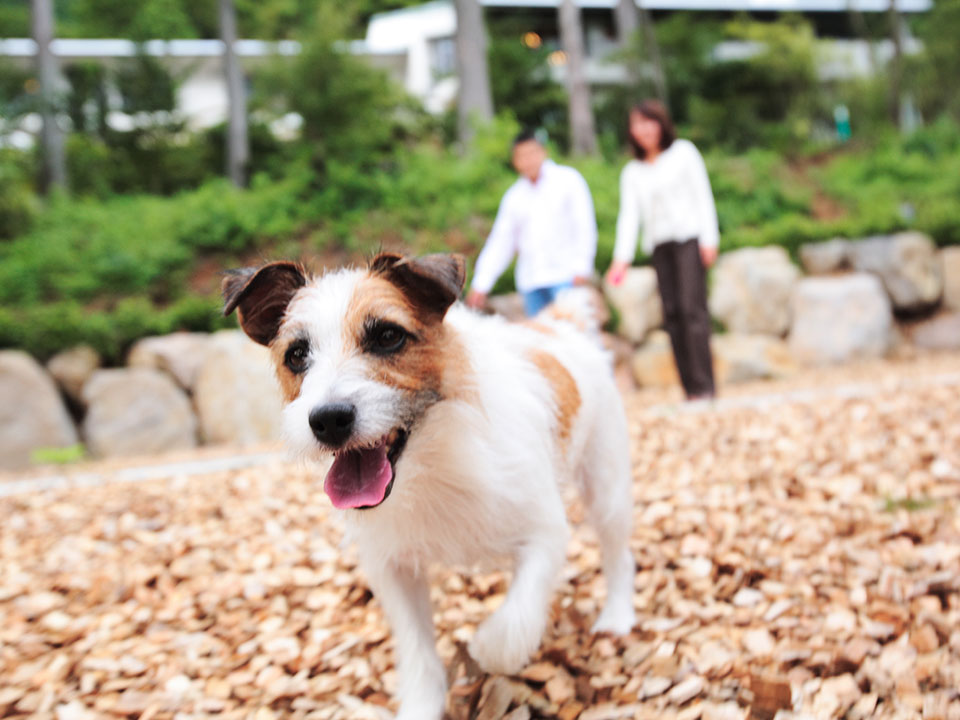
x: 332, y: 423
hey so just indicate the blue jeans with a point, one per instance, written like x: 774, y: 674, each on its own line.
x: 536, y: 300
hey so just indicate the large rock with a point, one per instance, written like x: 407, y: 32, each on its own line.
x: 751, y: 290
x: 738, y: 358
x: 136, y: 411
x: 179, y: 354
x: 32, y: 413
x: 653, y: 364
x: 836, y: 319
x: 236, y: 392
x: 637, y: 303
x: 822, y: 258
x: 950, y: 267
x: 906, y: 263
x: 72, y: 368
x: 938, y: 333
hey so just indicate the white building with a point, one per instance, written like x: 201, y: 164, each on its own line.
x: 201, y: 91
x: 424, y: 35
x: 416, y: 46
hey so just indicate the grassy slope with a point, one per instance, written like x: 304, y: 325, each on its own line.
x: 109, y: 272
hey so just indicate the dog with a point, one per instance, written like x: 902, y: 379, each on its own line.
x: 451, y: 433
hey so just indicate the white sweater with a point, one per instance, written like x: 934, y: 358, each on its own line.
x: 670, y: 197
x: 549, y: 225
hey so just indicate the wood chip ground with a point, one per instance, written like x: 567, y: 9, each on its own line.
x: 798, y: 559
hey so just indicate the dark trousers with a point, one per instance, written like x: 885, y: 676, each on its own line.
x: 683, y: 290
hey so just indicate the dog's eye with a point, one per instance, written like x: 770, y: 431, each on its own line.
x: 296, y: 356
x: 386, y: 338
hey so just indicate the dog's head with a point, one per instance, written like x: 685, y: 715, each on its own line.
x: 361, y: 355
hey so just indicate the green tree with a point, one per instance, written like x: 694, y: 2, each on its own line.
x: 348, y: 107
x: 521, y: 83
x: 937, y: 72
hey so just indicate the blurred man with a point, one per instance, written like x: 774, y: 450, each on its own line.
x: 546, y: 220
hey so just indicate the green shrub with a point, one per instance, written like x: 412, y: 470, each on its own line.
x: 349, y: 109
x: 18, y: 202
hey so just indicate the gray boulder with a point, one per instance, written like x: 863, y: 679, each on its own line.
x: 136, y: 411
x: 906, y: 263
x: 236, y: 393
x: 938, y: 333
x: 841, y: 318
x: 950, y: 267
x: 751, y: 290
x: 32, y: 413
x: 826, y: 257
x: 637, y: 303
x: 179, y: 354
x: 72, y: 368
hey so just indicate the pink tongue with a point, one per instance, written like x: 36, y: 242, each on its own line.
x: 359, y: 478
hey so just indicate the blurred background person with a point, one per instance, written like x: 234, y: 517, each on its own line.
x: 665, y: 189
x: 546, y: 220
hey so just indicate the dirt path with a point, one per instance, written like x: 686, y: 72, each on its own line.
x: 798, y: 547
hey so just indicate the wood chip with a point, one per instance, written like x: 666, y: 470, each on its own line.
x: 790, y: 551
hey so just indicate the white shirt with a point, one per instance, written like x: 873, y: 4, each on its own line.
x: 670, y: 197
x: 549, y: 225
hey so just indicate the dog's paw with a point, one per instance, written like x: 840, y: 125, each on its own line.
x: 425, y: 710
x: 419, y: 714
x: 504, y: 645
x: 615, y: 620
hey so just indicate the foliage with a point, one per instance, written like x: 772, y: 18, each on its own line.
x: 349, y: 108
x: 520, y: 80
x: 767, y: 98
x: 142, y: 20
x: 15, y: 18
x: 18, y: 203
x: 108, y: 271
x: 936, y: 74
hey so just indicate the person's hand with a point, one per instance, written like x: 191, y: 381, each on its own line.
x: 476, y: 299
x: 617, y: 272
x: 580, y: 281
x: 708, y: 255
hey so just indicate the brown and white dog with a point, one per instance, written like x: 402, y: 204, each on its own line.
x: 451, y: 434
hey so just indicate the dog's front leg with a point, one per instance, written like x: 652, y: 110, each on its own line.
x: 505, y: 641
x: 405, y: 597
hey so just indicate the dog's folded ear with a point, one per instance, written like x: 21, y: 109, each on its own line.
x: 432, y: 282
x: 260, y: 296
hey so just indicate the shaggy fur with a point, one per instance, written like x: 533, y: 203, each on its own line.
x: 489, y: 419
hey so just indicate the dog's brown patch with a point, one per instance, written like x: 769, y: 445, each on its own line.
x: 290, y: 382
x: 433, y: 361
x: 565, y: 392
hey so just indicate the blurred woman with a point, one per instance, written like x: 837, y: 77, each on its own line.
x: 665, y: 189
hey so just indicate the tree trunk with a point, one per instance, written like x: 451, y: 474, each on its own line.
x: 896, y: 63
x: 862, y: 32
x: 475, y: 99
x: 54, y: 172
x: 627, y: 20
x: 238, y: 144
x: 653, y: 53
x: 630, y: 17
x: 582, y: 132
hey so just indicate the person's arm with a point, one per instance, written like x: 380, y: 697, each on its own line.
x: 496, y: 255
x: 584, y: 228
x: 629, y: 220
x: 705, y: 209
